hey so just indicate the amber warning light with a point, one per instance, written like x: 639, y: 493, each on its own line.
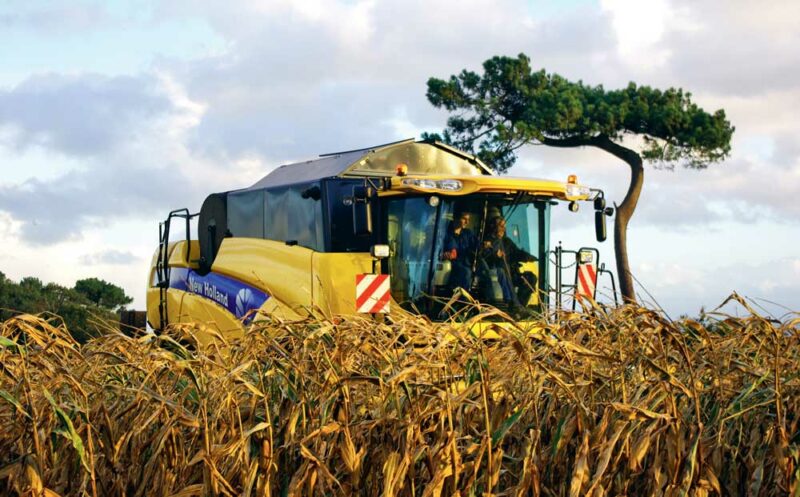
x: 401, y: 169
x: 572, y: 179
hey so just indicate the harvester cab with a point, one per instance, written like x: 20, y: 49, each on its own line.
x: 404, y: 227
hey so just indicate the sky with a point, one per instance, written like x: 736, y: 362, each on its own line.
x: 112, y: 113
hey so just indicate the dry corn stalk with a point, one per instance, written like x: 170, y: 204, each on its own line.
x: 607, y: 404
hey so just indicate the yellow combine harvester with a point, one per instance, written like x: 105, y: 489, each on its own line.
x: 403, y: 227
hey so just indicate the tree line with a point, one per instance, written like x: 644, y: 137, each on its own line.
x: 87, y: 309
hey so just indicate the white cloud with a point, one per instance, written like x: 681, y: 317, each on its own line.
x: 71, y: 17
x: 639, y: 27
x: 736, y: 47
x: 79, y: 115
x: 768, y: 284
x: 113, y: 257
x: 129, y: 134
x: 401, y: 124
x: 68, y: 261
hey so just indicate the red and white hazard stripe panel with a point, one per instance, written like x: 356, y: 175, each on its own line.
x: 372, y: 293
x: 587, y: 280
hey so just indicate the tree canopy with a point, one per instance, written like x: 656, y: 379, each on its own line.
x: 508, y: 106
x: 102, y: 293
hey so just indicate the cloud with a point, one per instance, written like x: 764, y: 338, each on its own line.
x: 771, y: 285
x: 735, y: 48
x: 84, y: 115
x: 639, y: 27
x: 56, y: 19
x: 109, y: 257
x: 307, y: 78
x: 65, y: 207
x: 744, y: 189
x: 131, y: 135
x: 786, y: 150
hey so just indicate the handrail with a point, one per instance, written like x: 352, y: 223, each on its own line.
x: 162, y: 261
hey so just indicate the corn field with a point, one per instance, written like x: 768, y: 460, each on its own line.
x: 619, y: 402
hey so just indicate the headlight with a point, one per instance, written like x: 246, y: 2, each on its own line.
x: 428, y: 184
x: 577, y: 190
x: 380, y: 251
x: 448, y: 185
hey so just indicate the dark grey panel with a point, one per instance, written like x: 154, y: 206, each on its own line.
x: 290, y: 217
x: 304, y: 172
x: 212, y: 227
x: 246, y: 213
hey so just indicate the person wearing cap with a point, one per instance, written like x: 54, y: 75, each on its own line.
x: 460, y: 247
x: 500, y: 253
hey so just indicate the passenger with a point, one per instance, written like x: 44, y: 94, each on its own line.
x: 501, y: 255
x: 460, y: 247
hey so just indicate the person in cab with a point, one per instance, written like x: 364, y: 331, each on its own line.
x: 460, y: 248
x: 501, y: 257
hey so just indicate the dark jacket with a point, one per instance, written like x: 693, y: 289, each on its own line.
x: 513, y: 254
x: 465, y: 243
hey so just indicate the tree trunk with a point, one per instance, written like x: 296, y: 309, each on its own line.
x: 624, y: 213
x: 624, y: 210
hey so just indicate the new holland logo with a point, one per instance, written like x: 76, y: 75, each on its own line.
x: 244, y: 301
x: 372, y: 293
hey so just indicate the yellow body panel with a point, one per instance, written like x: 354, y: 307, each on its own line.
x: 532, y: 267
x: 153, y: 295
x: 299, y: 281
x: 153, y: 298
x: 276, y: 308
x: 177, y: 254
x: 201, y: 311
x: 174, y: 301
x: 494, y: 330
x: 334, y: 278
x: 283, y: 271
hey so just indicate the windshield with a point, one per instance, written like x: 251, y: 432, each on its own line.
x: 486, y: 246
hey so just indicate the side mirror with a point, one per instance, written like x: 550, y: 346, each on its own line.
x: 600, y: 225
x: 362, y: 214
x: 600, y: 204
x: 600, y: 220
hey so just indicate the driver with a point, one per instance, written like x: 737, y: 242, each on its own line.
x: 460, y: 246
x: 500, y: 253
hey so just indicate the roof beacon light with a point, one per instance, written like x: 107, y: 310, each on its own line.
x: 448, y: 185
x: 401, y: 169
x: 574, y: 190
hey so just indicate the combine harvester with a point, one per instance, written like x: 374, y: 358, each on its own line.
x: 404, y: 227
